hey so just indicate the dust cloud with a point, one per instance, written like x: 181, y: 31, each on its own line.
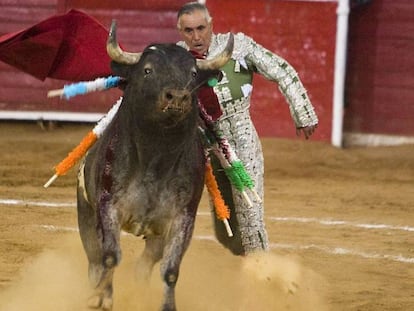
x: 210, y: 279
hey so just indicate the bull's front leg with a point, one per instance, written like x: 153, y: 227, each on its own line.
x: 177, y: 243
x: 100, y: 234
x: 108, y: 229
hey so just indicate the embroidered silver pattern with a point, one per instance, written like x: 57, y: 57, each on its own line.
x: 273, y: 68
x: 223, y: 94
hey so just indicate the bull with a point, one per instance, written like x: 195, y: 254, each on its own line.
x: 145, y: 175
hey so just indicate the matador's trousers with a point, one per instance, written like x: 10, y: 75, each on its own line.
x: 246, y: 222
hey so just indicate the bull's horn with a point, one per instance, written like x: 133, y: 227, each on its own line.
x: 221, y: 59
x: 115, y: 52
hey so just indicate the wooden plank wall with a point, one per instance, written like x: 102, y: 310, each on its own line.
x: 380, y: 79
x: 379, y: 93
x: 19, y: 91
x: 139, y: 22
x: 20, y: 14
x: 302, y: 32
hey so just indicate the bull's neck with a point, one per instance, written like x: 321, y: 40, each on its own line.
x: 152, y: 141
x: 164, y: 155
x: 166, y: 143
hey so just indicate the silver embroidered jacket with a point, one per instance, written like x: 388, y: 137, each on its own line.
x: 253, y: 57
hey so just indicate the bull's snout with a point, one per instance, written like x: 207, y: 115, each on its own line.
x: 175, y: 100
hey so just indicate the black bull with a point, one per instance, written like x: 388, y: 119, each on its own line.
x: 145, y: 175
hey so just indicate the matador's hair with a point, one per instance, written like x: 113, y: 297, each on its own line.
x: 189, y: 8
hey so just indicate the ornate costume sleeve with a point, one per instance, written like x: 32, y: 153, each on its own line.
x: 277, y: 69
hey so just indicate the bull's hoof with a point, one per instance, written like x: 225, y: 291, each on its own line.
x: 99, y: 302
x: 107, y: 304
x: 95, y: 302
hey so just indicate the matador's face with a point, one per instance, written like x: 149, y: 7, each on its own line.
x: 196, y: 31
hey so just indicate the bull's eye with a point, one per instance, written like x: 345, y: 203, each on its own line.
x: 194, y: 73
x: 147, y: 71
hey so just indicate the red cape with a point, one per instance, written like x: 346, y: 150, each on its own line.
x: 70, y: 47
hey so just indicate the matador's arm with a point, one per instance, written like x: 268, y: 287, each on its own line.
x: 277, y: 69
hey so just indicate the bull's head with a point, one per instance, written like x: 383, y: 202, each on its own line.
x: 162, y: 80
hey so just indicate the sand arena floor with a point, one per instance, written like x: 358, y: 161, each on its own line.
x: 340, y: 223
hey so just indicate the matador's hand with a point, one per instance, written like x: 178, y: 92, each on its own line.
x: 307, y: 130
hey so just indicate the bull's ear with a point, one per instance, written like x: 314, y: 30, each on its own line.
x: 120, y: 69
